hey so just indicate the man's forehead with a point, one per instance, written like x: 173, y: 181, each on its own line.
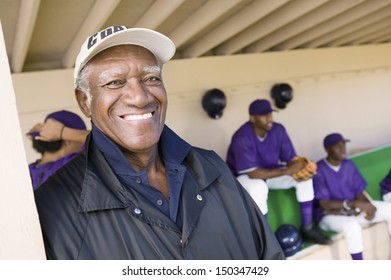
x: 120, y: 70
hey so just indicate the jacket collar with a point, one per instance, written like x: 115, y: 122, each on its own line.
x: 93, y: 196
x: 113, y: 195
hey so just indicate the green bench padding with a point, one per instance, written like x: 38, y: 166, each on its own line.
x: 373, y: 164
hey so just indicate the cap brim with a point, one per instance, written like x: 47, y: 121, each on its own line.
x: 33, y: 134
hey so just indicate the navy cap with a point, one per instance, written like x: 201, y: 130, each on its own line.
x: 332, y: 139
x: 260, y: 107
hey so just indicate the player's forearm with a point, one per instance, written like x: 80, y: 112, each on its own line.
x: 331, y: 204
x: 75, y: 135
x: 263, y: 173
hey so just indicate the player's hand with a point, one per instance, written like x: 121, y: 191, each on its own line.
x: 50, y: 131
x: 368, y: 208
x: 295, y: 166
x: 35, y: 130
x: 306, y: 168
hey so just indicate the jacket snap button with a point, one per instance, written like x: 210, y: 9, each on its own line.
x: 137, y: 211
x: 199, y: 197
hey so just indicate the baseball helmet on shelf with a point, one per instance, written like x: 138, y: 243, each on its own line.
x: 282, y: 94
x: 214, y: 102
x: 289, y: 238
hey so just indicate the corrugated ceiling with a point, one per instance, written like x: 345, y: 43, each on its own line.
x: 47, y: 34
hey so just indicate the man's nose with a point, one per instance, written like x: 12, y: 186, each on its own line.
x: 136, y: 93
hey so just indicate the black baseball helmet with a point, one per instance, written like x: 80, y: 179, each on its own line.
x: 214, y: 102
x: 282, y: 94
x: 289, y: 238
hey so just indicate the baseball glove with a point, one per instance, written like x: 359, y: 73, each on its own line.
x: 307, y: 172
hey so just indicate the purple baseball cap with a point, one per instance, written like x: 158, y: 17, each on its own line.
x: 333, y: 139
x: 68, y: 119
x: 260, y: 107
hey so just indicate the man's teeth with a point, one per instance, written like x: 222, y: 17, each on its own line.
x: 138, y: 117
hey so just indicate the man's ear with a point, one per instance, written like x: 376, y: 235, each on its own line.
x: 82, y: 100
x: 252, y: 119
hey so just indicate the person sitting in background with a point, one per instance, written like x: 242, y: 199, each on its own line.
x: 341, y: 203
x: 59, y: 139
x: 385, y: 187
x: 262, y: 156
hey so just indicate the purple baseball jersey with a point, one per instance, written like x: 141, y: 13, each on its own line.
x: 385, y: 184
x: 40, y: 173
x: 343, y: 184
x: 247, y: 151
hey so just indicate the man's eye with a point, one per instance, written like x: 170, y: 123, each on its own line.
x: 153, y: 80
x: 115, y: 84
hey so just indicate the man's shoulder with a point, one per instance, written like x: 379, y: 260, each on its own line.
x: 245, y: 130
x: 206, y: 159
x: 205, y: 154
x: 348, y: 163
x: 278, y: 127
x: 322, y: 165
x: 320, y: 162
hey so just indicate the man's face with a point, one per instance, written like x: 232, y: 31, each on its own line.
x: 262, y: 123
x: 337, y: 151
x: 129, y: 101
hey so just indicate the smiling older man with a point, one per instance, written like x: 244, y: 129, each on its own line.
x: 139, y: 191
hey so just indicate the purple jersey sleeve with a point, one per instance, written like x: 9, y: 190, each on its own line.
x: 40, y: 173
x: 242, y: 155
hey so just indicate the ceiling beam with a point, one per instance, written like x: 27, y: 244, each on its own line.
x: 349, y: 28
x: 24, y: 30
x: 100, y: 12
x: 382, y: 24
x: 317, y: 16
x: 333, y: 24
x: 158, y: 12
x: 287, y: 13
x: 209, y: 12
x: 234, y: 25
x: 374, y: 37
x: 385, y: 39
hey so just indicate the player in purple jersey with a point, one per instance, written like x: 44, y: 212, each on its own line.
x: 55, y: 149
x: 260, y: 155
x: 385, y: 187
x: 341, y: 203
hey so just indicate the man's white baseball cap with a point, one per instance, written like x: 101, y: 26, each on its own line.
x: 158, y: 44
